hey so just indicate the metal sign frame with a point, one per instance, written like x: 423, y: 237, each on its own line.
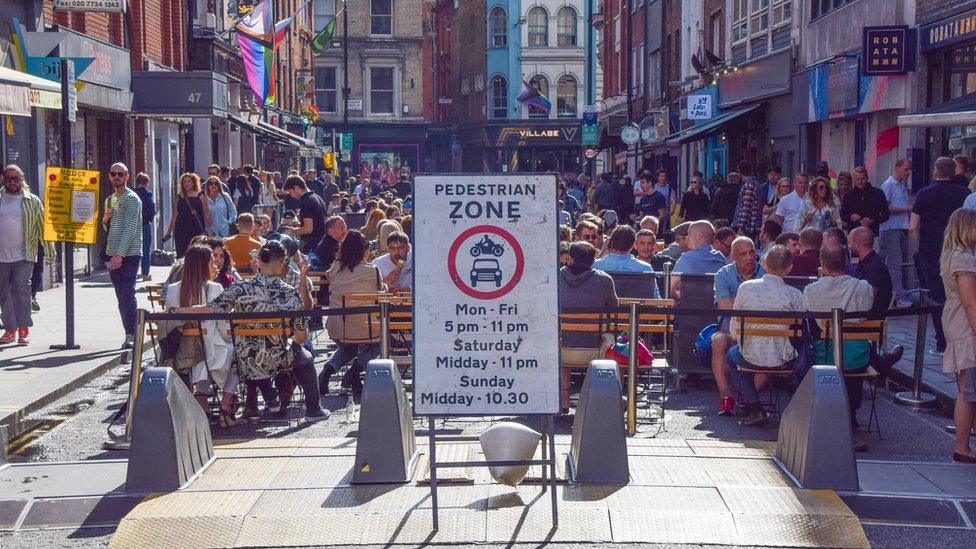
x: 548, y: 461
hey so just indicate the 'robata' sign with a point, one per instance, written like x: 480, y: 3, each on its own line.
x: 486, y: 334
x: 888, y: 50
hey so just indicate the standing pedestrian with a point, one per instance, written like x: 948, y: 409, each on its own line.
x: 926, y: 227
x: 864, y: 205
x: 747, y: 217
x: 311, y: 212
x: 247, y: 191
x: 21, y: 233
x: 894, y: 231
x: 148, y: 215
x: 694, y: 203
x: 123, y: 220
x: 191, y: 216
x: 222, y: 210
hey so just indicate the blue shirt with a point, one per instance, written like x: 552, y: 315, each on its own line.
x: 702, y: 260
x: 970, y: 203
x: 614, y: 262
x: 728, y: 280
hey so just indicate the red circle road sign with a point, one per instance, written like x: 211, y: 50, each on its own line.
x: 462, y: 284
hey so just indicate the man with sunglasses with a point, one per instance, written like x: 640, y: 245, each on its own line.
x: 21, y: 232
x: 123, y: 220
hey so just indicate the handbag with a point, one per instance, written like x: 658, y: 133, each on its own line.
x: 620, y: 351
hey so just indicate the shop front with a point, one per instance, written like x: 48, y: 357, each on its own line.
x: 947, y: 112
x: 523, y: 146
x: 384, y: 151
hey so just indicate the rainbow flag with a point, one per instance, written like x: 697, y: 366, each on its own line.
x: 534, y: 98
x: 258, y: 38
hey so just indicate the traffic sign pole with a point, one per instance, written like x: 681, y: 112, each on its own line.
x: 68, y: 97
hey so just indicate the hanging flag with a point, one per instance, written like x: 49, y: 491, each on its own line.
x: 534, y: 98
x: 323, y: 39
x: 258, y: 38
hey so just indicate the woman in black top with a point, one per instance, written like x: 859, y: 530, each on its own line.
x: 191, y: 216
x: 694, y: 203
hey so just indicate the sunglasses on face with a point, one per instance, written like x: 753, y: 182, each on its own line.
x: 117, y: 174
x: 11, y: 178
x: 590, y: 236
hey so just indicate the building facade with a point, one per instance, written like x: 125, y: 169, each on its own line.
x: 385, y: 82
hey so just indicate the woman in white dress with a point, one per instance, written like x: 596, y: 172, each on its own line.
x: 198, y: 288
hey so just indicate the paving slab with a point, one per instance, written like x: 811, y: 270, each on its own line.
x: 880, y: 476
x: 80, y: 478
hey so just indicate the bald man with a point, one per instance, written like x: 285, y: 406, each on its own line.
x: 123, y: 221
x: 701, y: 257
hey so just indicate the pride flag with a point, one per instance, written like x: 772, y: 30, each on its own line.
x: 258, y: 37
x: 534, y: 98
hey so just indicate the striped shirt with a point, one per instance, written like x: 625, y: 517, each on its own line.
x: 33, y: 213
x: 125, y: 227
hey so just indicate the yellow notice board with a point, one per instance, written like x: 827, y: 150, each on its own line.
x: 70, y: 205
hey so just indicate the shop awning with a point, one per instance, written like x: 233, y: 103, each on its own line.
x: 960, y: 111
x: 278, y: 135
x: 20, y: 91
x: 701, y: 131
x: 286, y: 136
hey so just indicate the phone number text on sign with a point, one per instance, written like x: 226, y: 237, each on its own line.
x: 486, y: 338
x: 90, y: 5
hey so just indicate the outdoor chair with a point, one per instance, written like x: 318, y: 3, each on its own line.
x: 769, y: 327
x: 872, y: 331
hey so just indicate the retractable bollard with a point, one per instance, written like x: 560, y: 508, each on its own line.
x: 170, y: 435
x: 386, y: 443
x: 816, y: 442
x: 598, y: 453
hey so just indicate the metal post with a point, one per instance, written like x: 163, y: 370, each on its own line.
x: 551, y: 433
x: 916, y: 398
x: 632, y: 371
x: 384, y: 329
x: 135, y: 372
x: 345, y: 67
x: 667, y: 279
x: 837, y: 334
x: 432, y: 461
x: 68, y: 251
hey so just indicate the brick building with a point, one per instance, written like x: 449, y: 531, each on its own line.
x: 384, y: 110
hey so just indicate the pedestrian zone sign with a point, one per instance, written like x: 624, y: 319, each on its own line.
x: 486, y: 287
x: 70, y: 203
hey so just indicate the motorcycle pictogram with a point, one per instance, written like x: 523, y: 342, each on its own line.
x: 488, y: 247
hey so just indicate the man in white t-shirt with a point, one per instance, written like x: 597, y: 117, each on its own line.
x: 894, y: 244
x: 396, y: 266
x: 789, y: 206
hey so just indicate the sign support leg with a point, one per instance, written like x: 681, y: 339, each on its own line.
x: 68, y: 255
x: 551, y: 434
x: 433, y: 469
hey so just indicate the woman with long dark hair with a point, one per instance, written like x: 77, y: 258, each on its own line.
x: 191, y: 216
x: 351, y: 274
x: 197, y: 288
x: 226, y: 273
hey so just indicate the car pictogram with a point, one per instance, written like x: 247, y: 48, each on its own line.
x: 486, y: 270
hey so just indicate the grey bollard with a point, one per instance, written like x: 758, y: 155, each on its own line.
x: 170, y: 434
x: 815, y: 442
x: 386, y: 443
x: 598, y: 453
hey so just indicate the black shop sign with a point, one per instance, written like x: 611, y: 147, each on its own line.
x: 888, y: 50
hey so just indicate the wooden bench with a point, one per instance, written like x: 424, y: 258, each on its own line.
x: 769, y: 327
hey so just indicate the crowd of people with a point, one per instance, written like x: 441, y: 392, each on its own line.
x: 859, y: 246
x: 247, y: 239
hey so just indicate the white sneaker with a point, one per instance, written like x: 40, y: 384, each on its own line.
x: 127, y: 344
x: 322, y: 415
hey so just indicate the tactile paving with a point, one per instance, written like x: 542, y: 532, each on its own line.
x: 197, y: 504
x: 273, y: 503
x: 447, y: 453
x: 417, y: 527
x: 239, y: 474
x: 314, y: 472
x: 324, y: 529
x: 757, y: 448
x: 799, y: 531
x: 177, y: 532
x: 671, y: 527
x: 774, y: 500
x: 534, y: 524
x: 745, y: 472
x: 668, y: 498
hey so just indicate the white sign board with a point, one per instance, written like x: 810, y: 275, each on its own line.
x: 72, y: 93
x: 354, y: 104
x: 630, y: 134
x: 699, y: 107
x: 90, y: 5
x: 486, y: 308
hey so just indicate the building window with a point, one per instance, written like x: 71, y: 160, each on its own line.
x: 381, y: 90
x: 538, y: 27
x: 327, y: 89
x: 782, y: 12
x: 499, y: 97
x: 616, y: 34
x: 381, y: 17
x: 716, y: 30
x: 540, y: 83
x: 654, y: 75
x: 499, y: 27
x: 819, y: 8
x: 740, y: 20
x: 566, y: 27
x: 566, y: 97
x: 759, y: 17
x: 324, y: 12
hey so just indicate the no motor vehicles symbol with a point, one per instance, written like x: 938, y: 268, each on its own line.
x: 485, y: 256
